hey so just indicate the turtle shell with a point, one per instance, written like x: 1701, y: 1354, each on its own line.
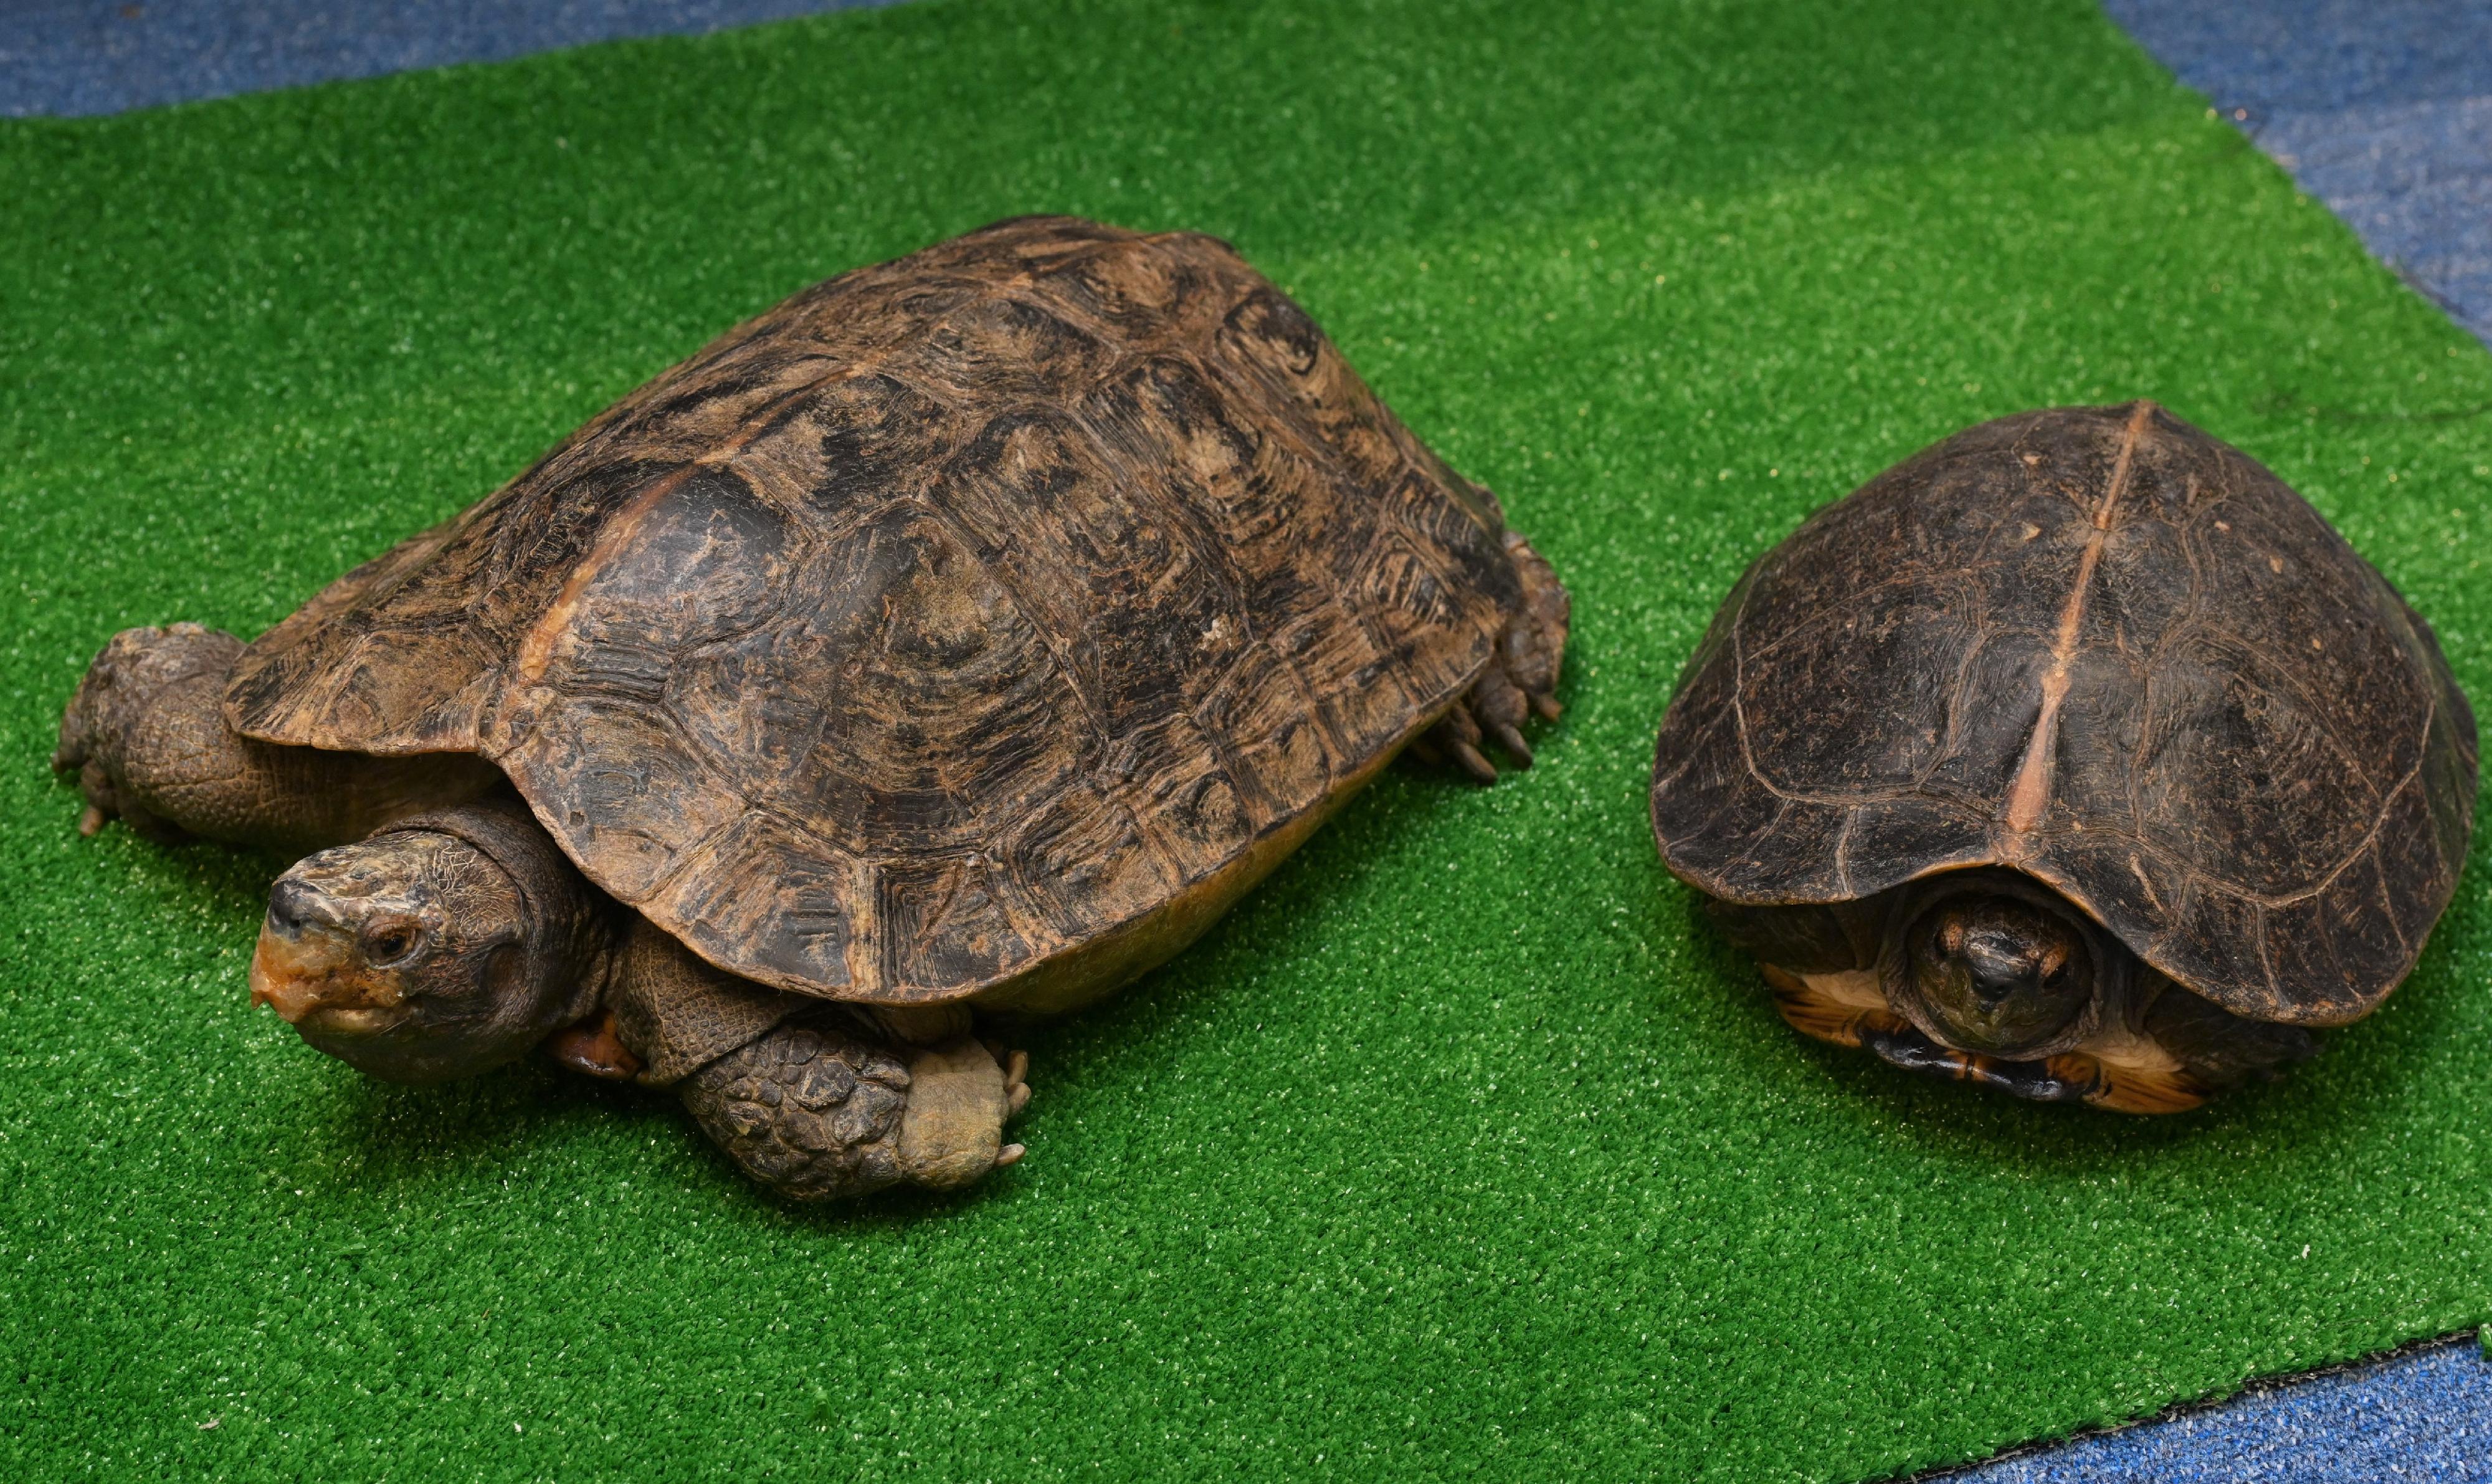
x: 951, y: 616
x: 2102, y: 648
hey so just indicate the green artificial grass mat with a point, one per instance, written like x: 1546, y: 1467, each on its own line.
x: 1459, y: 1149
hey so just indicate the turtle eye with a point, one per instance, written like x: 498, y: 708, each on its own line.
x: 391, y: 939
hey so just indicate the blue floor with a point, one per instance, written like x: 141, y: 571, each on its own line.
x: 66, y: 57
x: 2422, y: 1415
x: 2381, y: 110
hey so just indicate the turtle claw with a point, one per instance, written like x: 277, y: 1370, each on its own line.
x: 1519, y: 681
x: 102, y: 806
x: 1011, y: 1153
x: 105, y: 803
x: 1016, y: 1090
x: 1492, y: 712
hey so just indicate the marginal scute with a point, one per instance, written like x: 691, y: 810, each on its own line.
x: 1084, y: 862
x: 1279, y: 761
x: 613, y: 779
x: 2100, y: 647
x: 938, y: 620
x: 772, y: 902
x: 945, y: 921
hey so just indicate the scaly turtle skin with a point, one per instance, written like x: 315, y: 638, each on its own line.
x: 960, y: 637
x: 2076, y: 756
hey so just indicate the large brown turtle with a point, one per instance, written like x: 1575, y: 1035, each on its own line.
x: 954, y: 640
x: 2076, y: 756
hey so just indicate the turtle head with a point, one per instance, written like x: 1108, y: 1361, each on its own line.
x: 435, y: 949
x: 1997, y: 972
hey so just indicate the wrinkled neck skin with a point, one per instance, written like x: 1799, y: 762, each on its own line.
x: 447, y: 944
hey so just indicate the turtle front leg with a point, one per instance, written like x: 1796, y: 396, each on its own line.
x: 146, y: 736
x: 819, y: 1108
x: 145, y: 728
x: 1520, y: 679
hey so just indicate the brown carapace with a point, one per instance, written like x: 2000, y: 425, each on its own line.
x: 2076, y: 756
x: 957, y: 639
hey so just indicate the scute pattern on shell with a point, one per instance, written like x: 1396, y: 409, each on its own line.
x: 947, y: 615
x: 2108, y: 650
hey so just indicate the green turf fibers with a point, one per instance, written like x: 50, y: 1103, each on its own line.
x: 1458, y: 1150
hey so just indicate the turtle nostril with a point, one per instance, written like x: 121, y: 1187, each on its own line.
x: 294, y: 905
x: 1990, y: 989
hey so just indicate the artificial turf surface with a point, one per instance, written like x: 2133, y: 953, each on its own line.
x: 1460, y: 1148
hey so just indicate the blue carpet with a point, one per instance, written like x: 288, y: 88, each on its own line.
x: 64, y: 57
x: 2382, y: 111
x: 2423, y: 1415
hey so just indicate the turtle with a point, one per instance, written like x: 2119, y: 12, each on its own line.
x: 944, y: 647
x: 2076, y: 757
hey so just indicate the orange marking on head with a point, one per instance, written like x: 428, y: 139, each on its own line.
x: 298, y: 977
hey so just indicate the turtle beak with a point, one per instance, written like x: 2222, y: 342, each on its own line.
x: 310, y: 968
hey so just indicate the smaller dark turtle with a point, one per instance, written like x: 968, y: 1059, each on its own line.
x: 2076, y: 756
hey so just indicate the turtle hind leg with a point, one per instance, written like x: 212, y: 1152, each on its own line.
x: 1521, y: 680
x: 819, y: 1108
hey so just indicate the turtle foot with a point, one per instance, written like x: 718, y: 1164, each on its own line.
x: 960, y: 1096
x: 118, y: 711
x: 1015, y: 1085
x: 821, y: 1109
x: 810, y: 1108
x: 1015, y: 1098
x: 1521, y: 680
